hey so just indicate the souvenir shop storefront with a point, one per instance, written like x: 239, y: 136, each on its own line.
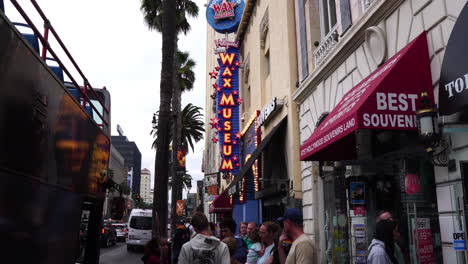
x: 369, y: 158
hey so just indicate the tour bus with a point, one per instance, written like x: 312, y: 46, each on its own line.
x: 139, y: 228
x: 54, y: 146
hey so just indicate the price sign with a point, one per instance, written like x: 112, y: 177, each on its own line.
x: 424, y: 241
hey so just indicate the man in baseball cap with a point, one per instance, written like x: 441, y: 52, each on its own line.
x: 302, y: 249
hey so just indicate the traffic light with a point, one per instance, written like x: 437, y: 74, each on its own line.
x: 137, y: 198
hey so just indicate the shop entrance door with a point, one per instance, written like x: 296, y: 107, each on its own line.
x: 335, y: 217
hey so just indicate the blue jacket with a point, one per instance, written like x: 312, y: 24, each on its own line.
x: 241, y: 252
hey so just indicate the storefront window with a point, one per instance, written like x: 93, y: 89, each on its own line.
x: 354, y: 195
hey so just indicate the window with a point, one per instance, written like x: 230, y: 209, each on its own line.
x: 141, y: 223
x: 267, y: 63
x: 328, y: 16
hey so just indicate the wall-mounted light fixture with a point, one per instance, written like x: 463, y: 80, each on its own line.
x: 429, y: 131
x: 426, y: 120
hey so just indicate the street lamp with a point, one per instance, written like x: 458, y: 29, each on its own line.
x: 426, y: 119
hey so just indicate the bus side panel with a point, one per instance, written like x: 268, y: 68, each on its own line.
x: 52, y: 156
x: 37, y: 221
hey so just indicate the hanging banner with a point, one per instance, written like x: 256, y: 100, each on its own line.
x: 453, y: 84
x: 181, y: 159
x: 180, y: 208
x: 224, y: 16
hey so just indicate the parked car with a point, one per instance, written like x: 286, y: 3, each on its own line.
x: 108, y: 235
x: 122, y: 231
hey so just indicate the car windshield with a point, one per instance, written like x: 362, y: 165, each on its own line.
x: 141, y: 222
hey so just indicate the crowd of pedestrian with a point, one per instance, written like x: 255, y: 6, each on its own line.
x: 280, y: 242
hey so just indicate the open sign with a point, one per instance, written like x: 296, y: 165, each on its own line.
x: 459, y: 243
x: 458, y: 236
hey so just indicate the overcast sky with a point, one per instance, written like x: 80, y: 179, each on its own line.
x: 114, y: 48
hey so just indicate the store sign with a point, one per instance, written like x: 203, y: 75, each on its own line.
x: 459, y: 242
x: 211, y: 180
x: 387, y: 99
x: 212, y: 190
x: 453, y: 83
x: 269, y: 110
x: 423, y: 236
x: 225, y: 15
x: 228, y: 102
x: 226, y: 43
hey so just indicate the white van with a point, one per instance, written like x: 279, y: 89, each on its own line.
x: 139, y: 228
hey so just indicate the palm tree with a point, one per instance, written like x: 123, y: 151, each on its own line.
x: 158, y: 15
x: 184, y: 82
x: 192, y: 126
x: 192, y: 129
x: 186, y: 181
x: 166, y: 12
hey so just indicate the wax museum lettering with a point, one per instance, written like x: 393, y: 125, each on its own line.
x: 224, y: 10
x: 228, y: 110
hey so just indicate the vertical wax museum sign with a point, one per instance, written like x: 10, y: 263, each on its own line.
x: 224, y: 16
x: 453, y: 84
x: 228, y: 102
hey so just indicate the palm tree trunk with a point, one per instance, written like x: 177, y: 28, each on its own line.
x: 176, y: 139
x: 160, y: 198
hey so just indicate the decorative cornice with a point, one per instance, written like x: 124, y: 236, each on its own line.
x: 245, y: 20
x: 348, y: 43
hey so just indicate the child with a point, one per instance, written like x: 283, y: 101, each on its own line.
x: 254, y: 250
x: 152, y: 252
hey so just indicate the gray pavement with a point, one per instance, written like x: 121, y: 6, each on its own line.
x: 118, y: 254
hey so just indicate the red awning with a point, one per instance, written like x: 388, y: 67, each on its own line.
x: 386, y: 99
x: 221, y: 204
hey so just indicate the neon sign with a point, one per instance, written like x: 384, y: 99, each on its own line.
x: 224, y: 9
x: 226, y: 123
x: 225, y: 15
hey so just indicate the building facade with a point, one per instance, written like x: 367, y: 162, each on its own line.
x: 117, y: 165
x: 266, y: 38
x: 269, y: 176
x: 145, y: 186
x: 131, y: 153
x: 363, y: 69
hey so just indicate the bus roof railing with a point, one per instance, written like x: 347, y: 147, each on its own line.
x: 47, y: 48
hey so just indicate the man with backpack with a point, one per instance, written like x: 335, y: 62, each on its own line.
x: 203, y: 248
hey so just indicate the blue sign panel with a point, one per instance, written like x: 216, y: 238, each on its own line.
x: 225, y: 15
x: 228, y: 101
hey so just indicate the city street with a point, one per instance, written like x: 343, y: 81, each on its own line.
x: 119, y: 254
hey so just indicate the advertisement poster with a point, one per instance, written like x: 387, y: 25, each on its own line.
x: 358, y: 193
x: 360, y: 243
x: 424, y: 245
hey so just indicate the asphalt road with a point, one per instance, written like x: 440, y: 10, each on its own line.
x: 118, y: 254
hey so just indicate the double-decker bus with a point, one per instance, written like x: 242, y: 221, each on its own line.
x: 54, y: 147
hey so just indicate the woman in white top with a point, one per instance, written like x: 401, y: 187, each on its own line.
x: 267, y: 232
